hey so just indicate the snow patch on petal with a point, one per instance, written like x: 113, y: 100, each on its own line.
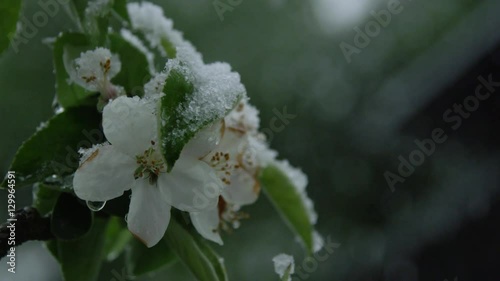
x: 130, y: 124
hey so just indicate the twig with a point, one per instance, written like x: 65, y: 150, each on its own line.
x: 29, y: 225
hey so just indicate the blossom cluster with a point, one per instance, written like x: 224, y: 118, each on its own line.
x: 217, y: 171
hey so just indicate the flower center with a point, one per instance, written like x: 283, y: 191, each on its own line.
x: 150, y: 165
x: 221, y: 163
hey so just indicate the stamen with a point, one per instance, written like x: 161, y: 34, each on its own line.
x: 150, y: 165
x: 221, y: 163
x: 229, y: 216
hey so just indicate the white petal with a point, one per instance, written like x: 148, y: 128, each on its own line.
x: 207, y: 224
x: 243, y: 190
x: 130, y: 124
x: 204, y: 141
x: 244, y: 117
x: 148, y: 215
x: 104, y: 173
x: 264, y: 155
x: 191, y: 186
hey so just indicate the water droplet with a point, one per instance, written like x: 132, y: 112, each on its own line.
x: 96, y: 206
x: 53, y: 180
x: 56, y: 106
x: 126, y: 218
x: 58, y: 110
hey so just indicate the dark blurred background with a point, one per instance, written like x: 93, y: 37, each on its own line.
x: 355, y: 116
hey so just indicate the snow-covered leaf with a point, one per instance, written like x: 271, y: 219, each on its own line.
x: 177, y: 91
x: 289, y: 202
x: 284, y: 266
x: 189, y: 106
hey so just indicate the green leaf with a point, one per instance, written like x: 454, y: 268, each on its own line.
x: 96, y: 21
x: 9, y: 14
x: 51, y: 246
x: 203, y: 262
x: 142, y: 260
x: 287, y: 274
x: 169, y: 48
x: 53, y: 150
x: 77, y: 8
x: 177, y: 91
x: 118, y: 206
x: 68, y: 46
x: 92, y: 19
x: 81, y: 259
x: 44, y: 198
x: 98, y: 29
x: 70, y: 219
x: 117, y: 238
x: 176, y: 130
x: 134, y: 72
x: 288, y: 201
x: 120, y: 7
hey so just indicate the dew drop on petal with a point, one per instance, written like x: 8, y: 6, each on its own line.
x: 96, y: 206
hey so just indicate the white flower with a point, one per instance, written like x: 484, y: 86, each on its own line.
x: 133, y: 161
x: 149, y: 19
x: 237, y: 160
x: 284, y: 265
x: 93, y: 70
